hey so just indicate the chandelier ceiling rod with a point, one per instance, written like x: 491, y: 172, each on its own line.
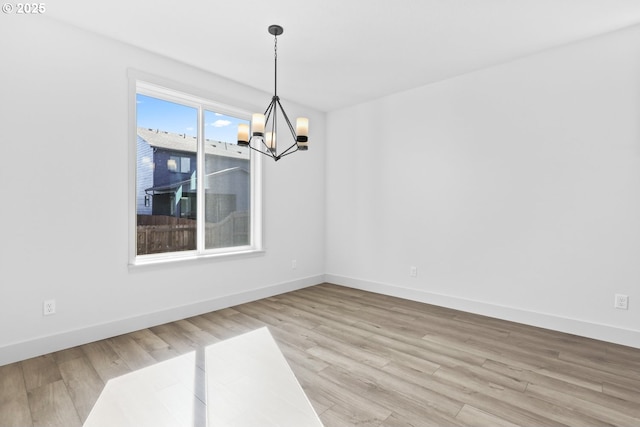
x: 266, y: 143
x: 276, y: 30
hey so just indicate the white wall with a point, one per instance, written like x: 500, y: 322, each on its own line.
x: 63, y: 132
x: 514, y: 190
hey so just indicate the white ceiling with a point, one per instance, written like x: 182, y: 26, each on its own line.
x: 336, y: 53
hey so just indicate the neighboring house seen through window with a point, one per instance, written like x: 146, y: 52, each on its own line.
x: 194, y: 185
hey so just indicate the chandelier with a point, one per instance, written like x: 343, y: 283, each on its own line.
x: 263, y: 126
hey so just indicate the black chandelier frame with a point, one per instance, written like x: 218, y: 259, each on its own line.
x: 271, y: 113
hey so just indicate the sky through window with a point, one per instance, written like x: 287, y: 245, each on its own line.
x: 154, y: 113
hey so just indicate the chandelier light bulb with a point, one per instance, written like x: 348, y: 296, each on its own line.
x: 302, y: 132
x: 257, y: 124
x: 243, y: 134
x: 270, y: 140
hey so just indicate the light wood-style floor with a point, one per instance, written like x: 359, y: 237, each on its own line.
x: 364, y: 359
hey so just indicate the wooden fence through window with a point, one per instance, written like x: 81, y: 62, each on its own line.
x: 159, y: 234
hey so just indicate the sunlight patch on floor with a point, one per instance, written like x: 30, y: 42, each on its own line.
x: 242, y: 381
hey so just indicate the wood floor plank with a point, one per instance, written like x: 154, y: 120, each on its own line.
x: 320, y: 400
x: 153, y: 344
x: 244, y: 321
x: 14, y: 404
x: 201, y: 338
x: 302, y: 358
x: 348, y: 415
x: 400, y: 420
x: 105, y: 360
x: 474, y: 416
x: 130, y: 352
x: 551, y: 409
x: 512, y: 354
x: 148, y: 340
x: 583, y: 394
x: 624, y: 393
x: 425, y: 317
x: 441, y: 354
x: 263, y: 313
x: 598, y: 412
x: 40, y: 371
x: 51, y: 406
x: 571, y: 379
x: 321, y: 388
x: 502, y: 408
x: 419, y: 407
x: 15, y: 412
x: 68, y: 354
x: 383, y: 380
x: 174, y: 337
x: 83, y: 383
x: 396, y: 353
x: 187, y: 326
x: 339, y: 310
x: 356, y: 348
x: 291, y: 335
x: 310, y: 318
x: 481, y: 353
x: 626, y: 369
x: 223, y: 326
x: 292, y: 313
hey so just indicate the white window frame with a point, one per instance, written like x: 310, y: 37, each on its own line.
x: 145, y: 84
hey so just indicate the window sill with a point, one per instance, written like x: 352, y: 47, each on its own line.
x: 192, y: 256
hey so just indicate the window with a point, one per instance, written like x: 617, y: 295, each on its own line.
x: 196, y: 190
x: 179, y: 164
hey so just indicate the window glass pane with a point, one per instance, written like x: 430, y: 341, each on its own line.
x: 166, y: 203
x: 227, y: 183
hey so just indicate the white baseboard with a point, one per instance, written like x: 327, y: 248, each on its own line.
x: 582, y: 328
x: 47, y: 344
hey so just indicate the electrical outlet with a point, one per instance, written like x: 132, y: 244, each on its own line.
x: 622, y: 302
x: 49, y: 307
x: 413, y: 271
x: 294, y: 264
